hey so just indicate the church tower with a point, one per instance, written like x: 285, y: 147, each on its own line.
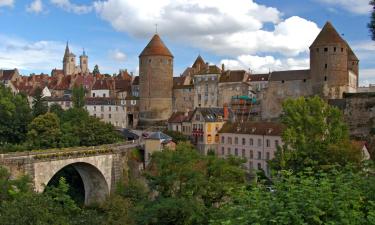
x: 334, y: 66
x: 83, y: 62
x: 69, y: 61
x: 156, y: 81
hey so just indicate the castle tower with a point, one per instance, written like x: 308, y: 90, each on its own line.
x: 69, y: 61
x: 333, y: 65
x: 83, y: 62
x: 156, y: 81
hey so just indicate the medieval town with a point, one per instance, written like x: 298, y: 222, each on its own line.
x: 142, y: 124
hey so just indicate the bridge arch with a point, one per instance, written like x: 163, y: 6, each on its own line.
x: 95, y: 173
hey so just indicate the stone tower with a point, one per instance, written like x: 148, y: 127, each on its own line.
x: 83, y: 62
x: 334, y: 66
x: 156, y: 81
x: 69, y: 62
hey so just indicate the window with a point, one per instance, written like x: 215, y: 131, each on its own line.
x: 326, y: 49
x: 251, y: 154
x: 110, y: 108
x: 102, y: 108
x: 236, y: 140
x: 93, y: 95
x: 259, y: 142
x: 342, y: 49
x: 325, y: 78
x: 326, y: 66
x: 94, y: 108
x: 243, y: 141
x: 236, y: 152
x: 223, y: 140
x: 259, y: 166
x: 251, y: 165
x: 268, y: 143
x: 109, y: 116
x: 251, y: 142
x: 283, y: 81
x: 229, y: 140
x: 222, y: 151
x: 334, y: 49
x: 276, y: 143
x: 243, y: 152
x: 229, y: 151
x: 259, y: 155
x: 104, y: 95
x: 267, y: 155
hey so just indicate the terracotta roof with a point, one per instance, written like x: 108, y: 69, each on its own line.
x: 290, y: 75
x: 328, y: 35
x: 179, y: 117
x: 64, y: 84
x: 124, y: 85
x: 8, y: 74
x: 258, y: 77
x: 233, y: 76
x: 101, y: 85
x: 156, y: 47
x: 256, y: 128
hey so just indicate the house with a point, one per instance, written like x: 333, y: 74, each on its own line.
x: 100, y: 89
x: 257, y: 142
x: 157, y: 141
x: 206, y: 123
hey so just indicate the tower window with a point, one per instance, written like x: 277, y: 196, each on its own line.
x: 326, y: 66
x: 342, y: 49
x: 334, y: 49
x: 325, y: 78
x: 326, y: 49
x: 149, y: 60
x: 283, y: 81
x: 304, y: 80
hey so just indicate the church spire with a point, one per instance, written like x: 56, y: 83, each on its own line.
x: 67, y: 51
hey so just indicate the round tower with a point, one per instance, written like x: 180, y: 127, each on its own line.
x: 156, y: 81
x: 329, y: 64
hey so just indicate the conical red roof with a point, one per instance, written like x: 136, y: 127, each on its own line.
x: 328, y: 35
x: 156, y: 47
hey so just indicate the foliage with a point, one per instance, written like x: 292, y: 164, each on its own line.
x: 56, y: 109
x: 39, y: 105
x: 96, y: 70
x: 338, y: 197
x: 78, y: 97
x: 44, y: 131
x: 315, y: 136
x: 188, y: 186
x: 371, y: 24
x: 176, y: 136
x: 15, y: 115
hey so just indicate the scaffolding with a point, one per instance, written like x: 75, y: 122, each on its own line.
x: 244, y: 107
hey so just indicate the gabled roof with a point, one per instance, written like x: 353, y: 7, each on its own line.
x: 198, y: 61
x: 290, y: 75
x: 328, y: 35
x: 8, y: 74
x: 212, y: 114
x: 233, y: 76
x: 255, y: 128
x: 213, y: 69
x: 101, y: 85
x: 179, y: 117
x: 156, y: 47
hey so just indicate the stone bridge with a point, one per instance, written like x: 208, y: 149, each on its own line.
x: 100, y: 167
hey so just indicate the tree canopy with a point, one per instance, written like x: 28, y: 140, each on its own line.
x: 78, y: 97
x: 39, y: 105
x: 371, y: 24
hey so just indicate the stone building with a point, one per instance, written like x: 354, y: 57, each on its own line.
x: 256, y: 142
x: 206, y: 87
x: 155, y: 82
x: 69, y: 63
x: 183, y: 95
x: 333, y: 71
x: 232, y: 83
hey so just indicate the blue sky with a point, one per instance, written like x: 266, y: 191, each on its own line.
x: 259, y: 35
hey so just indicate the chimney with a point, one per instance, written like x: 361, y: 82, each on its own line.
x: 186, y: 114
x: 226, y: 112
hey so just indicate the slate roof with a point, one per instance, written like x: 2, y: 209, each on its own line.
x: 289, y: 75
x: 156, y: 47
x: 258, y: 77
x: 212, y: 114
x: 160, y: 136
x: 255, y: 128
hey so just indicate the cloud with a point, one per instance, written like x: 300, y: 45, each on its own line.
x: 8, y: 3
x: 117, y: 55
x: 35, y: 7
x: 30, y: 56
x: 265, y: 64
x: 354, y: 6
x: 71, y: 7
x: 367, y: 76
x: 219, y: 26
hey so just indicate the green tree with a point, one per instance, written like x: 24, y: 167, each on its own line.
x: 78, y: 97
x: 44, y: 131
x: 15, y: 115
x: 96, y: 70
x: 188, y: 186
x: 176, y: 136
x: 39, y: 105
x: 56, y: 109
x: 371, y: 24
x: 314, y: 136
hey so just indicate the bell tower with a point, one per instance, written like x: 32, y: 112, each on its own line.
x: 83, y: 62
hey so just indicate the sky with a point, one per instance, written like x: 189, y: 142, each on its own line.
x: 256, y: 35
